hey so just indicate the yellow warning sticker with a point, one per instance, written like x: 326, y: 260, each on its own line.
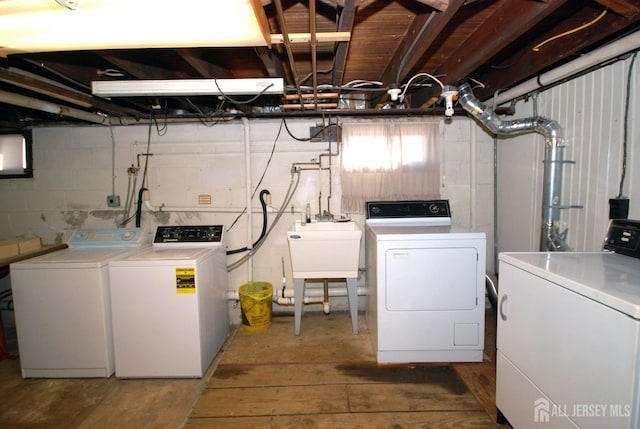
x: 185, y: 280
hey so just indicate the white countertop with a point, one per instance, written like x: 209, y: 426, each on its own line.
x: 609, y: 278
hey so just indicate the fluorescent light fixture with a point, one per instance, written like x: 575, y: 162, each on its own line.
x: 46, y: 25
x: 187, y: 87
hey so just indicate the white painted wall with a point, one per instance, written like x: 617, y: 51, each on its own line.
x: 73, y: 177
x: 590, y: 111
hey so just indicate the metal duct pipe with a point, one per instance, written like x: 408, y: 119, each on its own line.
x: 551, y: 239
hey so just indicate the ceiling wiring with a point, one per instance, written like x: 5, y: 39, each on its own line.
x: 566, y: 33
x: 234, y: 101
x: 207, y: 119
x: 414, y: 77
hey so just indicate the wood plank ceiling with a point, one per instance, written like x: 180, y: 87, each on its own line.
x: 407, y: 45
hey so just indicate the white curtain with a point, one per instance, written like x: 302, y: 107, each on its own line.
x: 387, y: 160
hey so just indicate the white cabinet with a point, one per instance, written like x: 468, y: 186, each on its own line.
x: 567, y: 340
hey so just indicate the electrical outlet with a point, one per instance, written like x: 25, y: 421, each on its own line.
x: 113, y: 201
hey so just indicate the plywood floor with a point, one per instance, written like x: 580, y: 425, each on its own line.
x: 324, y: 378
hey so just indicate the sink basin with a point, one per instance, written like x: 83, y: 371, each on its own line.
x: 324, y: 249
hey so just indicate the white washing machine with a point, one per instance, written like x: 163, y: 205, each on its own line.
x: 426, y: 281
x: 169, y: 306
x: 62, y: 305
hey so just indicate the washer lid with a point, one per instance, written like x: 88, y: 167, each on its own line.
x: 71, y: 257
x: 605, y: 277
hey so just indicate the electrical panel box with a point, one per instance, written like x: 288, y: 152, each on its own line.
x: 331, y: 133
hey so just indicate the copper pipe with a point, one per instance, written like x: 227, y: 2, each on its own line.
x: 307, y: 96
x: 310, y: 106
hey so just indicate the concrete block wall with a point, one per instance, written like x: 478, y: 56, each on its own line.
x: 73, y: 177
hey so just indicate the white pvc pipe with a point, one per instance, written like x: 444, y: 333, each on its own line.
x: 291, y: 301
x: 319, y: 292
x: 44, y: 106
x: 326, y: 308
x: 584, y: 62
x: 474, y: 178
x: 247, y: 166
x: 233, y: 295
x: 164, y: 208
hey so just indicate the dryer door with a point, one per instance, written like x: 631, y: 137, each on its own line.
x: 420, y: 279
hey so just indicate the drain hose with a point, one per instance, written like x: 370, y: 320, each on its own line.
x: 264, y: 224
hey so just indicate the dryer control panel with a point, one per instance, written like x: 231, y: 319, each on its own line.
x: 189, y: 235
x: 623, y: 237
x: 408, y: 209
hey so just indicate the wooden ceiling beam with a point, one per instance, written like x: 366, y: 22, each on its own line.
x: 423, y: 31
x: 531, y: 63
x: 271, y: 62
x: 202, y: 67
x: 345, y: 23
x: 510, y: 20
x: 440, y: 5
x: 139, y: 70
x: 621, y: 7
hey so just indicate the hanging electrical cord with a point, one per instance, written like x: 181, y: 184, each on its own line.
x: 143, y: 188
x: 264, y: 172
x: 208, y: 119
x: 264, y: 225
x: 304, y: 139
x: 139, y: 209
x: 626, y: 127
x: 161, y: 130
x: 131, y: 186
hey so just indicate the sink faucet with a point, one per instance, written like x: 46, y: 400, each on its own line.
x: 324, y: 217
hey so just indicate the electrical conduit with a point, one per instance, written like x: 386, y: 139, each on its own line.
x: 584, y: 62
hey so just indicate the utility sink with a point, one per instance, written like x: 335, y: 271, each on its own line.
x: 324, y: 249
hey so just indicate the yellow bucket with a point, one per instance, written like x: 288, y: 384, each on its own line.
x: 255, y: 303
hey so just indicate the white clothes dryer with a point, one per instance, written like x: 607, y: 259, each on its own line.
x: 169, y: 305
x: 62, y: 305
x: 426, y: 281
x: 575, y: 317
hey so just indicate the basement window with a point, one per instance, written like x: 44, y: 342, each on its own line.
x: 16, y: 159
x: 389, y: 160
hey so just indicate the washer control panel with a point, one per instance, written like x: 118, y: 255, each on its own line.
x: 189, y: 235
x: 108, y: 237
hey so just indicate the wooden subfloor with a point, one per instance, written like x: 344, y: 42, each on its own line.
x: 324, y: 378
